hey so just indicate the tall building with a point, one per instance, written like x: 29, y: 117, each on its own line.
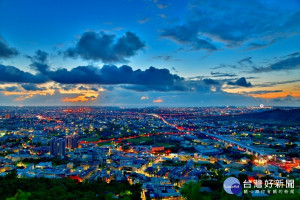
x: 58, y: 147
x: 72, y: 141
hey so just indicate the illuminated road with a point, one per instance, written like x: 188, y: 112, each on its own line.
x: 181, y: 129
x: 233, y: 142
x: 215, y: 136
x: 129, y: 137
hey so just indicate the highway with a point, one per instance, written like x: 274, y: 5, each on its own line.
x: 233, y: 142
x: 182, y: 130
x: 217, y: 137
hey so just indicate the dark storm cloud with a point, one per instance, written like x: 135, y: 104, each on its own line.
x: 221, y: 74
x: 291, y: 62
x: 234, y: 23
x: 149, y: 79
x: 110, y: 74
x: 240, y: 82
x: 12, y: 74
x: 6, y: 51
x: 33, y: 87
x: 106, y: 48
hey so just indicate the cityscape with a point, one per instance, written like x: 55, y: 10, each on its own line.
x: 149, y: 100
x: 161, y: 149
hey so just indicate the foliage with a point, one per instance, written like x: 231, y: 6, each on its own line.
x: 55, y: 161
x: 191, y: 191
x: 20, y: 196
x: 12, y: 187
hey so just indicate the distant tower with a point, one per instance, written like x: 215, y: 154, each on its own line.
x: 72, y: 141
x: 58, y: 147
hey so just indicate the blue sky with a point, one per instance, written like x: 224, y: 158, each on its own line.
x: 202, y: 53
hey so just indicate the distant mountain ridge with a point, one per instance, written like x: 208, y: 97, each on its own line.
x: 281, y: 115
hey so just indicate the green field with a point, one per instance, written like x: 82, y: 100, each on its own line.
x: 140, y: 140
x: 91, y: 139
x: 104, y: 143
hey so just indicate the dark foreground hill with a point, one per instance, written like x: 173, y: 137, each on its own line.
x: 276, y: 115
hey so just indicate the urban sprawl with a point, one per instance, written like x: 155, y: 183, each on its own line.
x: 160, y: 148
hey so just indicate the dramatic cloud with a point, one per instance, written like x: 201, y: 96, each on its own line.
x: 270, y: 84
x: 140, y: 80
x: 12, y: 74
x: 209, y: 81
x: 263, y: 92
x: 255, y: 23
x: 247, y: 60
x: 259, y: 45
x: 188, y: 35
x: 39, y: 61
x: 6, y: 51
x: 161, y: 88
x: 240, y: 82
x: 32, y: 87
x: 9, y: 88
x: 80, y: 98
x: 27, y: 91
x: 82, y: 88
x: 291, y: 62
x: 110, y: 74
x: 221, y: 74
x: 80, y: 94
x: 106, y: 48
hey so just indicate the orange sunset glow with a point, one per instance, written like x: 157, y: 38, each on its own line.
x: 157, y: 101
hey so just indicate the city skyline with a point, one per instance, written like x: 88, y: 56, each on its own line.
x: 149, y: 53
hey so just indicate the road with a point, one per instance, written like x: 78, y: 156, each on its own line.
x: 182, y: 130
x: 215, y: 136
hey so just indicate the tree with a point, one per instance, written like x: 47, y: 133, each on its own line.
x: 20, y: 196
x: 191, y: 191
x: 109, y: 196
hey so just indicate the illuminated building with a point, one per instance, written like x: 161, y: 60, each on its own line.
x: 72, y: 141
x: 58, y: 147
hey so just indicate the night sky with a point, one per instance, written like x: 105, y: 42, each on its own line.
x: 136, y: 53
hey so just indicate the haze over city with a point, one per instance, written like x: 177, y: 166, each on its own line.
x: 149, y: 53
